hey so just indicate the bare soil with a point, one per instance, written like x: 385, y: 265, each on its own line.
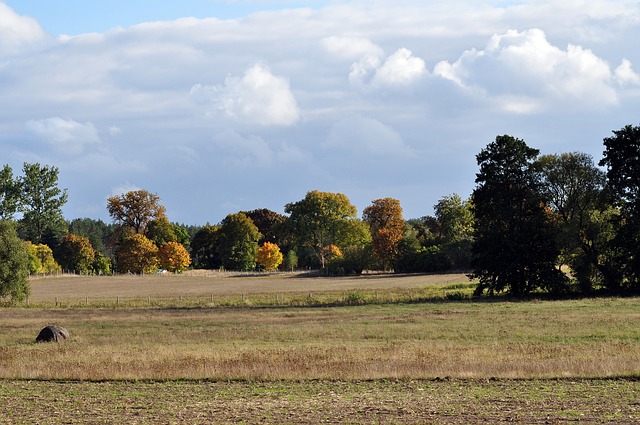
x: 312, y: 402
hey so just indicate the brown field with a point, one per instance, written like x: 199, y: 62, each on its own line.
x: 419, y: 357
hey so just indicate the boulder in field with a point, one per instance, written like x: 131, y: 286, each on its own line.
x: 52, y: 334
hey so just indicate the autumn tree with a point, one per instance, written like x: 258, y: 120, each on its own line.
x: 76, y: 253
x: 238, y: 242
x: 135, y: 209
x: 174, y: 257
x: 41, y: 258
x: 41, y: 201
x: 384, y: 217
x: 14, y: 264
x: 269, y: 224
x: 514, y: 247
x: 269, y: 256
x: 137, y: 254
x: 160, y: 231
x: 322, y: 219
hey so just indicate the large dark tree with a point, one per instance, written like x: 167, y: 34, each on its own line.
x: 622, y: 159
x: 9, y: 193
x: 238, y: 242
x: 269, y: 224
x: 514, y: 248
x: 205, y: 246
x: 41, y: 203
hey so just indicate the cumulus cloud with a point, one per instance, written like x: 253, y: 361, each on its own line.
x: 524, y: 68
x: 399, y: 69
x: 17, y: 31
x: 625, y: 73
x: 367, y: 136
x: 258, y: 97
x: 67, y: 136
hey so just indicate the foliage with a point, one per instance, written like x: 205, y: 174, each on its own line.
x: 160, y: 231
x: 291, y: 260
x: 135, y: 209
x: 41, y: 201
x: 384, y: 217
x: 515, y: 247
x: 41, y: 260
x: 137, y: 254
x: 97, y: 231
x: 76, y: 253
x: 574, y: 188
x: 269, y: 224
x: 454, y: 218
x: 355, y: 260
x: 14, y: 264
x: 321, y: 219
x: 622, y: 159
x: 9, y: 193
x: 269, y: 256
x: 101, y: 264
x: 238, y: 242
x: 204, y: 247
x: 173, y: 256
x: 182, y: 234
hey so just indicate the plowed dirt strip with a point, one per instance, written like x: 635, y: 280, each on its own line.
x: 201, y: 402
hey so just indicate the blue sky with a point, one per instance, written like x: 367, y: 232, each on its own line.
x: 223, y: 106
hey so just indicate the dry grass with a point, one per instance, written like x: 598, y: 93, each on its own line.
x: 586, y: 338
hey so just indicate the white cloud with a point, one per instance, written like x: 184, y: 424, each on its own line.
x: 400, y: 69
x: 625, y: 73
x: 124, y: 188
x: 526, y: 66
x: 366, y: 136
x: 258, y: 97
x: 67, y: 136
x: 351, y: 48
x: 17, y: 31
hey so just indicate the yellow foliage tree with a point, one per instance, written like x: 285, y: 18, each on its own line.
x: 174, y: 257
x: 269, y: 256
x: 331, y: 252
x: 41, y: 259
x: 137, y: 254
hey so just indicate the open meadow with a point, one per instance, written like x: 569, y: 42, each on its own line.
x: 293, y: 349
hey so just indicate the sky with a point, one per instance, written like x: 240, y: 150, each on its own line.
x: 227, y: 106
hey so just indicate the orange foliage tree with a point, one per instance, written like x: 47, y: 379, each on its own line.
x: 384, y: 217
x: 137, y: 254
x: 269, y: 256
x: 135, y: 209
x: 174, y: 257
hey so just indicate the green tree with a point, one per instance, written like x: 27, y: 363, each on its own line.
x: 76, y: 253
x: 135, y: 209
x: 291, y: 260
x: 455, y: 218
x: 41, y: 201
x: 574, y: 188
x: 205, y: 247
x: 322, y: 219
x: 514, y: 248
x: 14, y: 264
x: 622, y: 159
x: 269, y: 224
x: 137, y: 254
x: 9, y: 194
x: 387, y: 226
x: 160, y: 231
x: 238, y: 242
x: 97, y: 231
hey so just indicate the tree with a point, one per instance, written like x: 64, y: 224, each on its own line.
x: 238, y: 242
x: 41, y: 201
x: 384, y: 217
x: 269, y: 256
x: 9, y: 194
x: 174, y: 257
x: 204, y: 247
x: 514, y: 248
x: 41, y: 259
x: 574, y: 188
x: 97, y: 231
x: 291, y: 260
x: 321, y: 219
x: 14, y: 264
x: 135, y: 209
x: 76, y: 253
x: 455, y: 218
x: 622, y: 159
x: 137, y: 254
x: 269, y: 224
x: 160, y: 231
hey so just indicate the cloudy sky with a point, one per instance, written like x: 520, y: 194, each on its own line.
x: 222, y: 106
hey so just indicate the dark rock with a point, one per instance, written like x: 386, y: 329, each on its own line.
x: 52, y: 334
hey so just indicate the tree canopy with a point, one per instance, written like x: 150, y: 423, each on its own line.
x: 14, y: 264
x: 135, y: 209
x: 384, y: 217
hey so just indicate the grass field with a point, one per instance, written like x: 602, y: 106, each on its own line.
x: 387, y: 350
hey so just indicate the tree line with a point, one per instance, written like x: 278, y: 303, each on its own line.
x: 557, y: 223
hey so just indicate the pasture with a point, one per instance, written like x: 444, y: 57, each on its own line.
x: 291, y: 349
